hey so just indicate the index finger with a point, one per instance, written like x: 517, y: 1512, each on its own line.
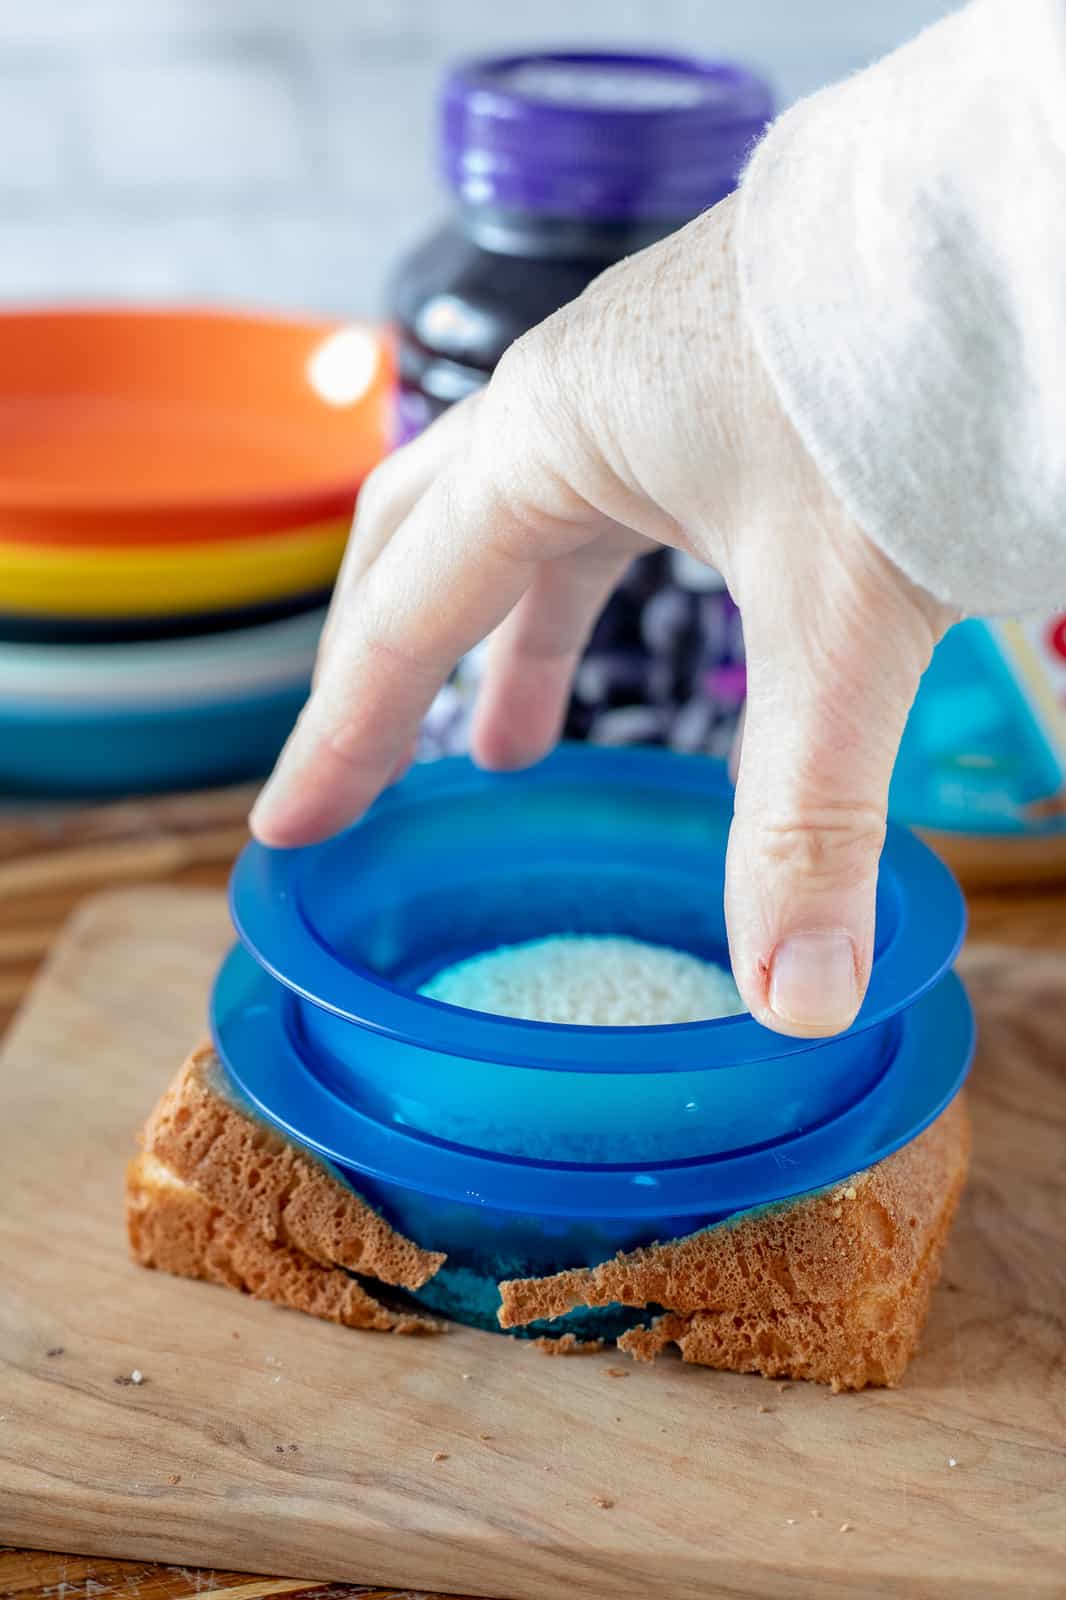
x: 389, y: 495
x: 453, y: 569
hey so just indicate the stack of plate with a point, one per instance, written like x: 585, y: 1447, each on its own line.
x: 176, y: 489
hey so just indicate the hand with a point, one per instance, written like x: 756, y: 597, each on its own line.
x: 638, y: 415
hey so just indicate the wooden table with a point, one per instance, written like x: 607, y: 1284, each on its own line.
x: 48, y: 862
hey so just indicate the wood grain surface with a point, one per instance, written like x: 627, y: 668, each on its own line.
x: 31, y: 1574
x: 51, y: 860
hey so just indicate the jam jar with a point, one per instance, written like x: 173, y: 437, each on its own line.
x: 559, y: 165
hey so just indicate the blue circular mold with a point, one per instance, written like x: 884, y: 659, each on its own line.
x: 524, y: 1147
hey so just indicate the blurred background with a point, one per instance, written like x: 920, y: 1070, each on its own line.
x: 282, y: 154
x: 253, y: 189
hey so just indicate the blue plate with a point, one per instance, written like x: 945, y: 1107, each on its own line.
x: 89, y: 750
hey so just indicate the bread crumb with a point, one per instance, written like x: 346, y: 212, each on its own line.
x: 466, y: 1376
x: 791, y: 1521
x: 764, y: 1411
x: 617, y: 1372
x: 484, y: 1436
x: 440, y: 1455
x: 56, y: 1350
x: 845, y: 1527
x: 173, y: 1478
x: 136, y: 1376
x: 952, y: 1462
x: 602, y: 1501
x: 566, y: 1344
x: 816, y: 1513
x: 782, y: 1387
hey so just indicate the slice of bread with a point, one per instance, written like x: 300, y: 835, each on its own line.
x: 249, y: 1171
x: 834, y: 1287
x: 173, y: 1228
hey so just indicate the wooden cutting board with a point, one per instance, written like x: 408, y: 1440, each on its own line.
x: 260, y: 1440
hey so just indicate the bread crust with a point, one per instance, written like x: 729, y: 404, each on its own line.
x: 834, y: 1287
x: 249, y: 1171
x: 173, y: 1228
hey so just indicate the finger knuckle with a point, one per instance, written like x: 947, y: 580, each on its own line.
x: 387, y: 654
x: 345, y: 743
x: 528, y: 373
x: 529, y: 502
x: 377, y: 491
x: 838, y: 844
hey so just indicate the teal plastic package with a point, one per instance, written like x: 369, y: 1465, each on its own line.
x: 984, y: 751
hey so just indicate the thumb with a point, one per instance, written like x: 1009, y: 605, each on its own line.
x: 828, y: 697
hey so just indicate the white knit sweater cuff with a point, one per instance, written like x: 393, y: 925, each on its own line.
x: 901, y: 240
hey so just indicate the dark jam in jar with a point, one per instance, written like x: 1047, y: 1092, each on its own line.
x: 561, y: 165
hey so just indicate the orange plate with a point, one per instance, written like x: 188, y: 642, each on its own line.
x: 152, y: 426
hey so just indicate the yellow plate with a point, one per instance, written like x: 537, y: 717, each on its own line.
x: 57, y: 580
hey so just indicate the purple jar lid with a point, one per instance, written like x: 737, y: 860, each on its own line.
x: 602, y: 136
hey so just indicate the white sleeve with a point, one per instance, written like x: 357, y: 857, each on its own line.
x: 902, y: 249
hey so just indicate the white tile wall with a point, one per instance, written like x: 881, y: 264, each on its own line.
x: 34, y: 142
x: 280, y: 151
x: 214, y: 123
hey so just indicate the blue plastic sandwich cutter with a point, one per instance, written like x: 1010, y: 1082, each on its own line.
x: 521, y: 1148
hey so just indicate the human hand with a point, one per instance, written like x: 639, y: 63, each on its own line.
x: 638, y: 415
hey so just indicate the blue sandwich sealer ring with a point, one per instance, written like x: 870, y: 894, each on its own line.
x: 522, y: 1147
